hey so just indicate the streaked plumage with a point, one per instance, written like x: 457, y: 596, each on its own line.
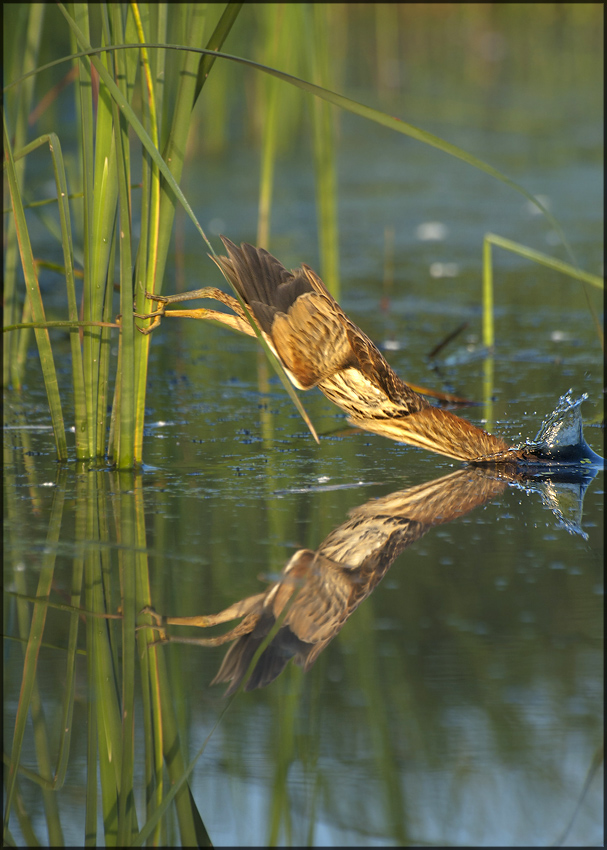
x: 318, y: 345
x: 324, y: 587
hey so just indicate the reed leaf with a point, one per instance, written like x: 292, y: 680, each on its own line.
x: 324, y: 152
x: 270, y: 127
x: 68, y: 271
x: 72, y: 649
x: 30, y: 665
x: 284, y: 750
x: 220, y: 33
x: 536, y: 257
x: 124, y: 451
x: 37, y: 307
x: 162, y: 199
x: 168, y: 208
x: 84, y: 106
x: 178, y: 772
x: 363, y: 111
x: 152, y: 717
x: 126, y: 523
x: 145, y: 266
x: 545, y: 260
x: 175, y: 764
x: 18, y: 108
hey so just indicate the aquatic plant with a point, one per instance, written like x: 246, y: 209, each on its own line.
x: 112, y: 85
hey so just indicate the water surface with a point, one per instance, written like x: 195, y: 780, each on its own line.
x: 462, y: 703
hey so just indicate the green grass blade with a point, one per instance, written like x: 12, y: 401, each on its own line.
x: 178, y: 772
x: 175, y: 763
x: 488, y: 392
x: 72, y: 646
x: 284, y: 755
x: 81, y: 424
x: 90, y: 812
x: 268, y: 159
x: 324, y: 155
x: 107, y: 666
x: 127, y: 542
x: 104, y: 696
x: 30, y: 665
x: 84, y: 106
x: 343, y: 102
x: 145, y: 268
x: 25, y: 823
x: 124, y: 457
x: 33, y: 290
x: 18, y: 109
x: 270, y: 125
x: 545, y: 260
x: 101, y: 274
x: 61, y: 324
x: 537, y: 257
x: 220, y: 33
x: 151, y: 709
x: 488, y: 327
x: 173, y: 153
x: 84, y: 532
x: 104, y: 363
x: 22, y: 347
x: 68, y: 270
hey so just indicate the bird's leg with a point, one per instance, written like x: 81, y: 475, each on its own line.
x: 248, y: 609
x: 192, y: 295
x: 238, y: 322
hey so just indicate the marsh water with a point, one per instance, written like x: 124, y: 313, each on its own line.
x: 462, y: 702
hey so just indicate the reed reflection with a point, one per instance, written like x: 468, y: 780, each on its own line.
x: 319, y: 590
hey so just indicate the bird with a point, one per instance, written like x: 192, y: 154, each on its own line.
x: 319, y: 590
x: 318, y: 345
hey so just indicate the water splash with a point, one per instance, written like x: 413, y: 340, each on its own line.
x: 559, y: 464
x: 560, y: 439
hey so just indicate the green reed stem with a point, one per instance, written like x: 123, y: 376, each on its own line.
x: 152, y: 725
x: 488, y: 328
x: 30, y: 666
x: 269, y: 141
x: 124, y: 452
x: 324, y: 154
x: 537, y: 257
x: 18, y: 106
x: 127, y: 538
x: 35, y: 298
x: 105, y: 695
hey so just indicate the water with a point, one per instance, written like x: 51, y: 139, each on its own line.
x: 462, y: 702
x: 560, y: 440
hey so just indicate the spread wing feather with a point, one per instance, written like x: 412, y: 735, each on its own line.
x: 320, y: 346
x: 313, y: 337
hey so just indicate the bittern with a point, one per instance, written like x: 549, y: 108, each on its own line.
x: 319, y: 346
x: 319, y: 590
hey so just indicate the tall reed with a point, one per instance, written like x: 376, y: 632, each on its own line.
x: 108, y: 85
x: 132, y: 230
x: 113, y: 232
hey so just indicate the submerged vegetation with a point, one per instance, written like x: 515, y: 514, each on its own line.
x: 97, y: 140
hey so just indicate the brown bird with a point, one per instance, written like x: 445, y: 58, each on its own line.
x: 319, y: 346
x: 319, y: 590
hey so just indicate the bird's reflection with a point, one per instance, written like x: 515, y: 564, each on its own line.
x: 318, y: 590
